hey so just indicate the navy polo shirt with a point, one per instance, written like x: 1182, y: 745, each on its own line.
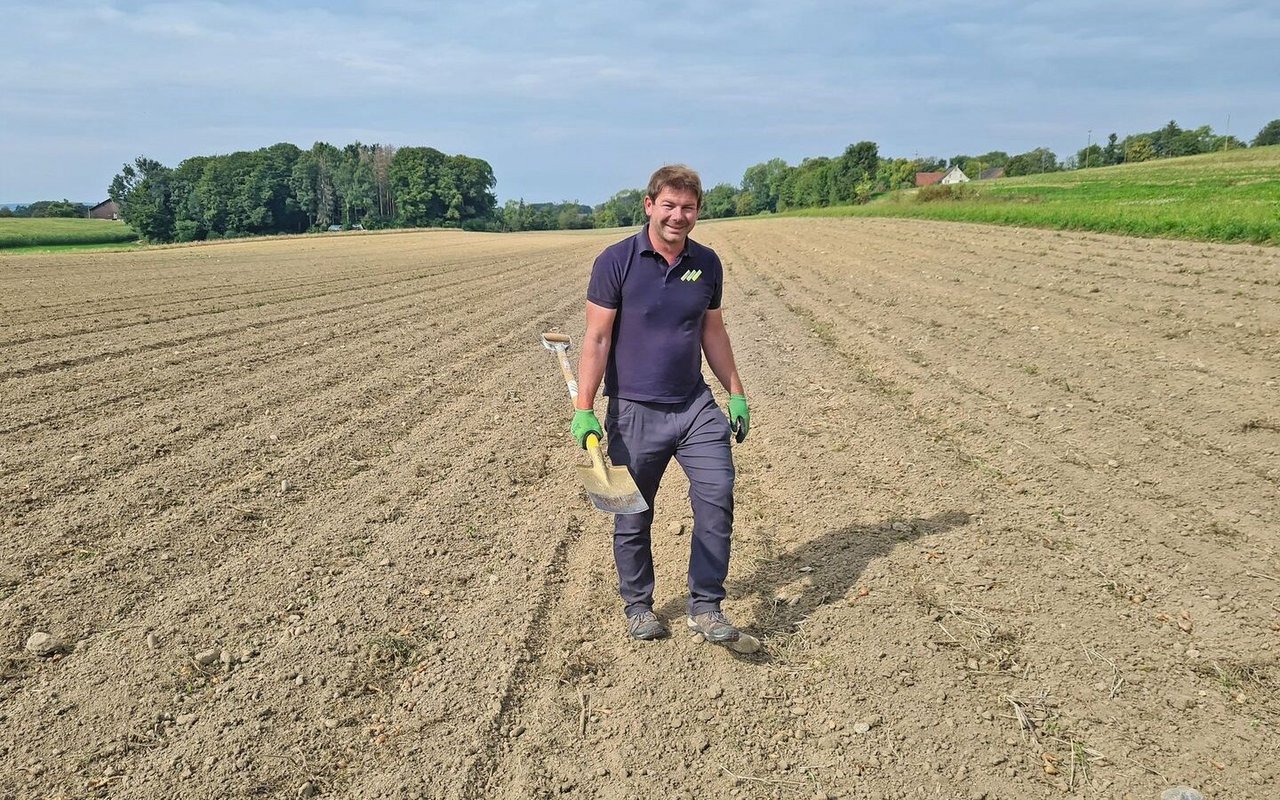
x: 656, y: 355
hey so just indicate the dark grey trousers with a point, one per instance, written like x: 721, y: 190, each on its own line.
x: 645, y: 437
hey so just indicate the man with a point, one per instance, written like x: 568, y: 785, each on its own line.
x: 653, y: 311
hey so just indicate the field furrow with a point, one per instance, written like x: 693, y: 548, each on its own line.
x: 303, y: 515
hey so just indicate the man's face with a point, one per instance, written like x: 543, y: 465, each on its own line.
x: 672, y: 214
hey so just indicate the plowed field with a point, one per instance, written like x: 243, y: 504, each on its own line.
x: 301, y: 518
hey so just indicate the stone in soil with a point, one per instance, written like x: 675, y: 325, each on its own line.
x: 44, y: 644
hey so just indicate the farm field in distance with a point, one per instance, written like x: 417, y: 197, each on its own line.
x: 1230, y: 197
x: 302, y: 514
x: 26, y: 232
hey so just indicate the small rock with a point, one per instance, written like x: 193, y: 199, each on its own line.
x: 1181, y: 793
x: 861, y: 728
x: 873, y: 721
x: 285, y: 486
x: 185, y: 719
x: 745, y: 644
x: 714, y: 692
x: 152, y: 642
x: 206, y: 657
x: 44, y: 644
x: 677, y: 529
x: 308, y: 789
x: 699, y: 744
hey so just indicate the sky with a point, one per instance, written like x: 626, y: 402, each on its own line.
x: 578, y: 100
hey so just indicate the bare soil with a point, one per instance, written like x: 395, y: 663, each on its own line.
x: 303, y: 517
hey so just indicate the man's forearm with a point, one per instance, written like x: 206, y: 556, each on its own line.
x: 595, y: 353
x: 719, y: 353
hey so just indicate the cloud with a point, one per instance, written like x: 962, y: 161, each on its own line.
x: 562, y: 98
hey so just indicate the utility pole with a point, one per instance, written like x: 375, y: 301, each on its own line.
x: 1088, y: 143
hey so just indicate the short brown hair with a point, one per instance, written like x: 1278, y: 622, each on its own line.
x: 676, y: 176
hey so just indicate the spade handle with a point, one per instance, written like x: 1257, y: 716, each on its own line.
x: 559, y: 343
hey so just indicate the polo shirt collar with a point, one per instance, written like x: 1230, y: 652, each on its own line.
x: 646, y: 244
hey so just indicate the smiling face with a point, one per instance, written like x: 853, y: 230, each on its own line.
x: 672, y: 214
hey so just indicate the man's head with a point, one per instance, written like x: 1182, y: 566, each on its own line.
x: 675, y: 176
x: 672, y: 202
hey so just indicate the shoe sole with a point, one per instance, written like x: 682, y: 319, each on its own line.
x: 662, y: 634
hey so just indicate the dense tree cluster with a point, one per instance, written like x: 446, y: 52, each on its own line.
x: 46, y: 208
x: 284, y: 189
x: 1171, y: 141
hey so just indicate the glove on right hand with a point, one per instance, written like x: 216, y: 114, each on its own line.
x: 584, y: 424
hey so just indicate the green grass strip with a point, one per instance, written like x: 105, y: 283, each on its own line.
x: 1219, y: 197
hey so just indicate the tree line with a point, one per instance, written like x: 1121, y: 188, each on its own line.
x: 46, y: 208
x: 284, y: 189
x: 860, y: 173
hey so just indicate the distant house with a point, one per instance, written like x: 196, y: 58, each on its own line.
x: 107, y: 209
x: 928, y: 178
x: 991, y: 174
x: 954, y: 175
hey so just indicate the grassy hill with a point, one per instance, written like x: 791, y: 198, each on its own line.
x: 25, y: 232
x: 1225, y: 197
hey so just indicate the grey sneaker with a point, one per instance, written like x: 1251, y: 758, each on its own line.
x: 645, y: 626
x: 714, y: 627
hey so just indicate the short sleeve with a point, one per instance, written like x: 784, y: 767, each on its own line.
x: 605, y: 287
x: 717, y: 290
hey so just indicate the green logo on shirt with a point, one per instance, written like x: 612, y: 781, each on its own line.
x: 691, y: 275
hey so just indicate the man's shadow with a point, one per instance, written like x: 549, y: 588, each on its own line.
x: 823, y: 570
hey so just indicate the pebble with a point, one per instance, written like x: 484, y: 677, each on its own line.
x: 714, y: 692
x: 206, y: 657
x: 44, y: 644
x: 308, y: 789
x: 746, y: 644
x: 152, y: 642
x: 677, y: 529
x: 1181, y: 793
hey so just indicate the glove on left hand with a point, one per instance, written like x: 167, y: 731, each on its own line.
x: 739, y: 417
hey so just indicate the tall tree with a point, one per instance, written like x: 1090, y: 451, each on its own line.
x: 415, y: 182
x: 1270, y: 134
x: 720, y: 201
x: 143, y: 192
x: 764, y: 183
x: 1111, y: 154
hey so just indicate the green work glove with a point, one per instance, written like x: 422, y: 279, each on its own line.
x: 584, y: 423
x: 739, y: 416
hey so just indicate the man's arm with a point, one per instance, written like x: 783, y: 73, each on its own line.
x: 719, y: 352
x: 595, y: 353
